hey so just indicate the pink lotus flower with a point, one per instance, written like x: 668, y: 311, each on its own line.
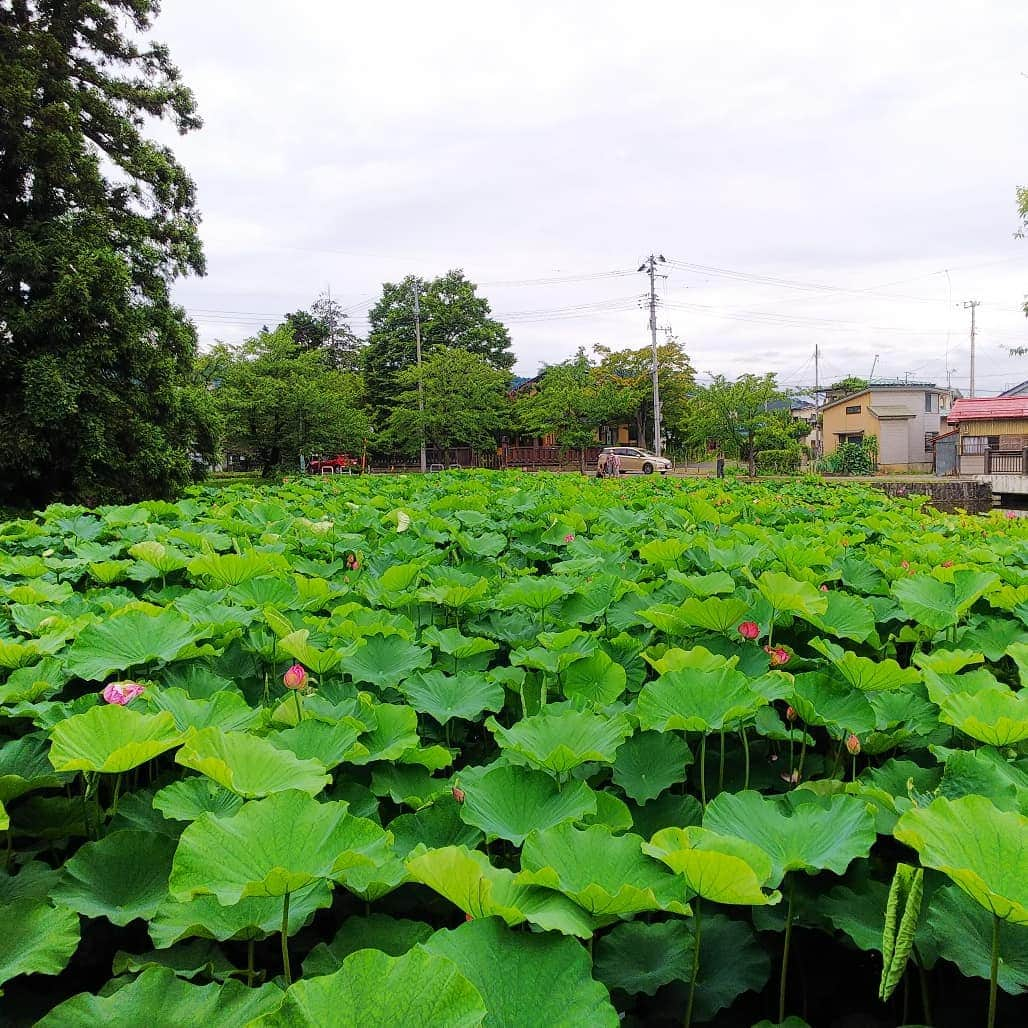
x: 778, y: 655
x: 570, y: 537
x: 295, y: 677
x: 790, y: 714
x: 792, y: 778
x: 1011, y: 514
x: 749, y: 629
x: 824, y: 588
x: 458, y: 793
x: 352, y: 563
x: 904, y: 564
x: 852, y: 744
x: 122, y: 693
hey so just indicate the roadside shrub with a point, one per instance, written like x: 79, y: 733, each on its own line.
x: 779, y: 462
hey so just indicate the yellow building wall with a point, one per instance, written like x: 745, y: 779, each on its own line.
x: 1010, y: 431
x: 835, y: 420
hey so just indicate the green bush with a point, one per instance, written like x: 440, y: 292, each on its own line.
x: 779, y: 462
x: 852, y: 459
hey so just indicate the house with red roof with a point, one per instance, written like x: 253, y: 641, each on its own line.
x: 992, y: 433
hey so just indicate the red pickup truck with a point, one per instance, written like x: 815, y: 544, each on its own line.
x: 340, y: 462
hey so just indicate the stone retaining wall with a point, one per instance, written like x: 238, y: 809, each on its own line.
x: 948, y: 496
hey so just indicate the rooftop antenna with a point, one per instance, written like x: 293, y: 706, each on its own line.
x: 873, y: 366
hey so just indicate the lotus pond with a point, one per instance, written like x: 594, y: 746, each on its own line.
x: 509, y: 749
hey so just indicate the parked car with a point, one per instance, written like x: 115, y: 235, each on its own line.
x: 635, y: 461
x: 340, y: 462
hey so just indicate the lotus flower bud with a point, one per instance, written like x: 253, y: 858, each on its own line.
x: 749, y: 629
x: 852, y: 744
x: 779, y: 656
x: 824, y: 588
x: 121, y: 693
x: 790, y: 714
x: 570, y: 537
x: 295, y: 677
x: 458, y: 793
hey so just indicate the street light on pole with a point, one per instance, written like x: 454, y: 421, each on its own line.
x: 416, y: 289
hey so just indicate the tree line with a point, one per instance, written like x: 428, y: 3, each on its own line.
x: 104, y: 394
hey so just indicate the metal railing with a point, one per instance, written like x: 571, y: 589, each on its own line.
x: 1006, y: 462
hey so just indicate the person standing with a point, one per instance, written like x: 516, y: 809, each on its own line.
x: 613, y: 464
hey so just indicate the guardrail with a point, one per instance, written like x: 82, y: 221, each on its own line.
x: 1006, y: 462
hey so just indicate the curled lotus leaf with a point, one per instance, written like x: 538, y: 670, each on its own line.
x: 111, y: 739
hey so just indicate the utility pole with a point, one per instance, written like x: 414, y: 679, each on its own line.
x: 650, y: 267
x: 331, y: 319
x: 972, y: 304
x: 421, y: 385
x: 818, y: 435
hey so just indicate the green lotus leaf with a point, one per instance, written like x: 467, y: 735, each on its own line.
x: 464, y: 695
x: 249, y: 766
x: 454, y: 644
x: 468, y: 880
x: 962, y: 931
x: 606, y: 875
x: 938, y: 605
x: 163, y: 559
x: 696, y: 701
x: 985, y: 772
x: 611, y: 812
x: 17, y: 654
x: 170, y: 999
x: 534, y: 593
x: 5, y: 821
x: 523, y: 996
x: 255, y: 917
x: 273, y: 847
x: 373, y: 988
x: 859, y: 912
x: 863, y: 673
x: 716, y: 867
x: 327, y: 743
x: 633, y: 957
x: 435, y: 826
x: 110, y: 738
x: 223, y: 569
x: 121, y: 877
x: 995, y: 716
x: 226, y: 710
x: 188, y: 798
x: 35, y: 682
x: 320, y: 661
x: 558, y: 741
x: 788, y: 596
x: 509, y: 802
x: 948, y: 662
x: 821, y: 700
x: 186, y: 959
x: 37, y: 938
x: 799, y: 831
x: 452, y: 588
x: 847, y: 617
x: 384, y: 661
x: 712, y: 614
x: 595, y: 680
x: 649, y: 762
x: 698, y: 658
x: 940, y: 686
x: 129, y: 640
x: 391, y: 935
x: 980, y: 847
x: 24, y: 766
x: 395, y: 733
x: 1018, y: 653
x: 409, y: 785
x: 637, y: 957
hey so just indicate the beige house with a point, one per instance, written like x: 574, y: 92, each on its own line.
x: 903, y: 416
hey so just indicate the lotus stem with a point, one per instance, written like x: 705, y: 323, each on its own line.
x: 299, y: 709
x: 803, y: 755
x: 695, y: 960
x: 286, y: 970
x: 721, y: 763
x: 703, y: 771
x: 785, y: 954
x: 117, y: 791
x: 746, y: 755
x: 993, y: 971
x: 926, y: 1006
x: 853, y: 770
x: 251, y: 972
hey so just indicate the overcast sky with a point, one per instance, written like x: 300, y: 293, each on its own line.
x: 859, y: 155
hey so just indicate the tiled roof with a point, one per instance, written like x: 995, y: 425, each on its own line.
x: 993, y: 408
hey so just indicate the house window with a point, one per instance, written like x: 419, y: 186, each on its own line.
x: 976, y: 445
x: 929, y: 437
x: 855, y: 409
x: 931, y: 403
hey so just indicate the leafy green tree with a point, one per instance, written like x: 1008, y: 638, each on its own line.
x: 465, y: 403
x: 96, y: 221
x: 847, y: 385
x: 279, y: 400
x: 633, y: 369
x: 325, y: 327
x: 452, y: 314
x: 572, y: 401
x: 731, y: 414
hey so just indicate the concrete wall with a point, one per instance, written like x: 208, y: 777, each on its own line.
x: 974, y: 497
